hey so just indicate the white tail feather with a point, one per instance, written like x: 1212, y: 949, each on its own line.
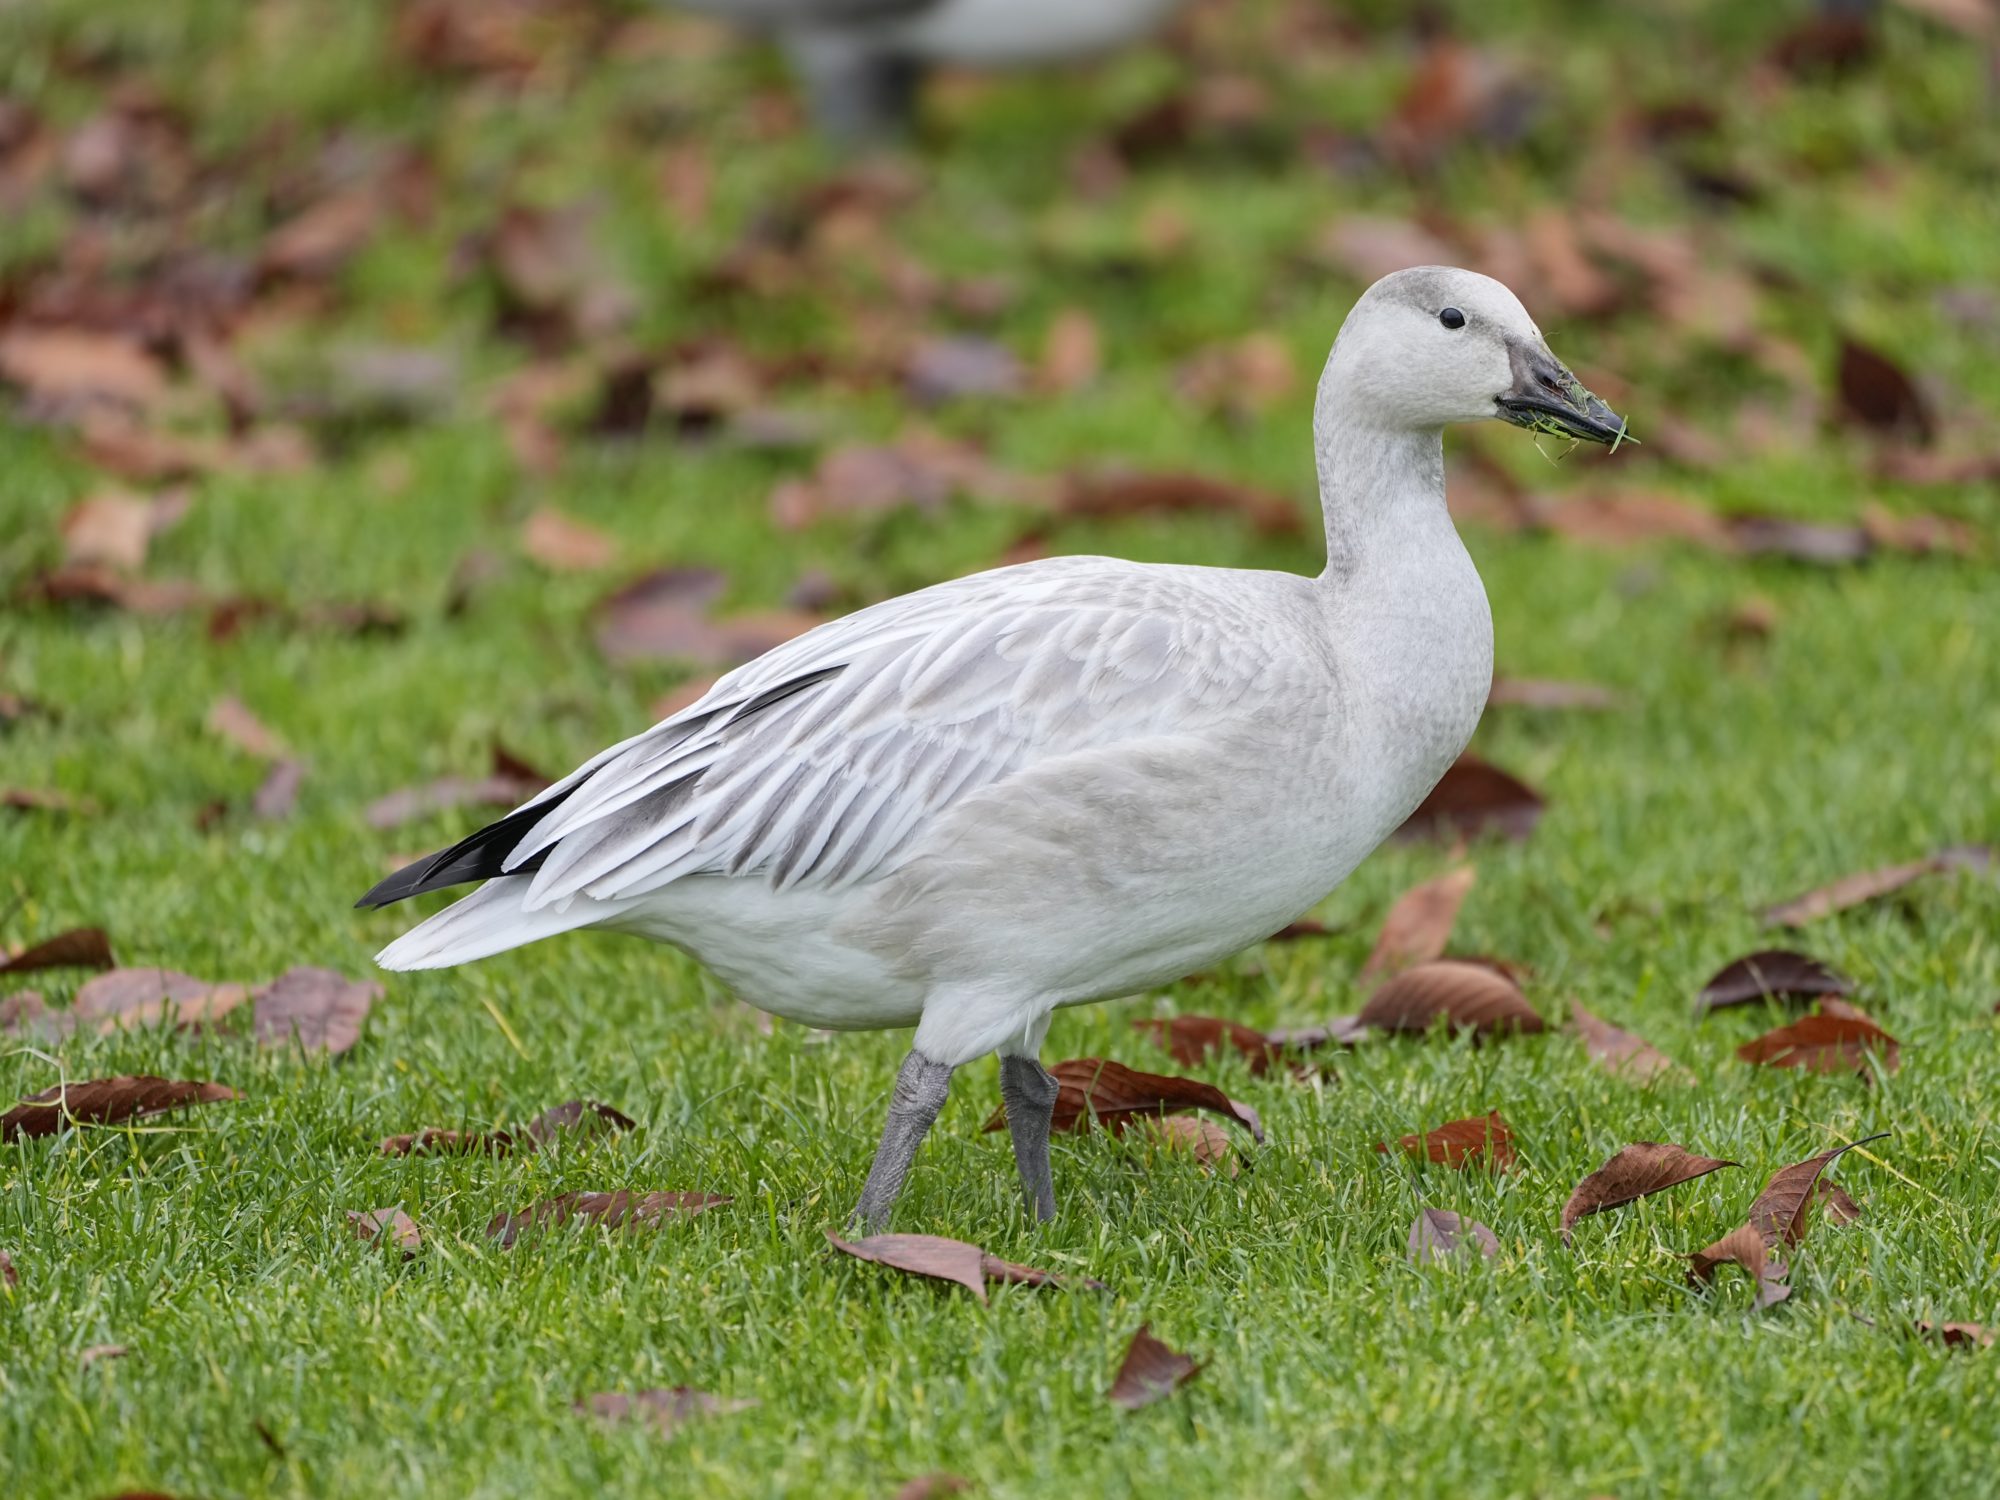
x: 489, y: 921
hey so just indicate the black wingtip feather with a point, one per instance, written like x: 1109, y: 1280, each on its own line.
x: 478, y: 856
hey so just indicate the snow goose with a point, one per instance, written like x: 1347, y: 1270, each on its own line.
x: 860, y: 60
x: 1055, y: 782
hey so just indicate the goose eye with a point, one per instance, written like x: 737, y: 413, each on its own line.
x: 1451, y: 317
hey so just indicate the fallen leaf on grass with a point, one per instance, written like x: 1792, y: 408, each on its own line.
x: 448, y: 1143
x: 1538, y: 692
x: 1835, y: 1203
x: 951, y: 1260
x: 564, y: 544
x: 1771, y: 974
x: 1622, y: 1053
x: 577, y: 1118
x: 65, y: 370
x: 126, y: 998
x: 1956, y: 1335
x: 1094, y: 1089
x: 79, y: 948
x: 323, y: 1009
x: 663, y: 616
x: 1780, y: 1212
x: 106, y: 1101
x: 954, y: 367
x: 1419, y: 924
x: 1825, y: 1044
x: 1072, y: 352
x: 613, y: 1210
x: 1192, y: 1039
x: 1636, y: 1172
x: 88, y: 1357
x: 113, y: 530
x: 1439, y: 1235
x: 508, y: 784
x: 8, y: 1274
x: 1477, y: 1139
x: 1468, y: 996
x: 1472, y: 799
x: 278, y: 793
x: 1742, y: 1247
x: 232, y: 720
x: 1875, y: 392
x: 1208, y: 1144
x: 1868, y: 885
x: 1340, y: 1031
x: 387, y: 1226
x: 1126, y: 495
x: 663, y: 1410
x: 1149, y: 1371
x: 930, y: 1487
x: 41, y: 799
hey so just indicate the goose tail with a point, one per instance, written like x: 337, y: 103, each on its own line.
x: 490, y: 920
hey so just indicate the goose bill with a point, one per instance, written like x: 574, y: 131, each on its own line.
x: 1547, y: 398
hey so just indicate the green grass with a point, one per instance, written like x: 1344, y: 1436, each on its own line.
x: 1863, y: 731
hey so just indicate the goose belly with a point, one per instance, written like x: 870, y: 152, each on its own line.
x: 999, y: 33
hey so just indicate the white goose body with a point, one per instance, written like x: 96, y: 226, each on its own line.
x: 1055, y: 782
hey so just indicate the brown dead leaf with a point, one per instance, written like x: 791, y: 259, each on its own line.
x: 944, y: 1259
x: 1472, y: 799
x: 1869, y: 885
x: 1368, y: 248
x: 278, y: 793
x: 1340, y: 1031
x: 67, y: 371
x: 1485, y: 1140
x: 1875, y: 392
x: 1149, y: 1371
x: 110, y: 530
x: 1467, y: 996
x: 1419, y: 924
x: 127, y: 998
x: 578, y: 1119
x: 1159, y: 494
x: 508, y: 785
x: 448, y: 1143
x: 1956, y: 1335
x: 921, y: 470
x: 1457, y: 92
x: 1191, y: 1040
x: 1072, y: 353
x: 1546, y: 693
x: 1780, y: 1212
x: 387, y: 1226
x: 930, y: 1487
x: 613, y: 1210
x: 1825, y: 1044
x: 1208, y: 1144
x: 1771, y: 974
x: 1622, y: 1053
x: 1439, y: 1236
x: 321, y: 1009
x: 1815, y: 542
x: 662, y: 1410
x: 1092, y: 1089
x: 78, y: 948
x: 564, y: 544
x: 233, y: 721
x: 1742, y: 1247
x: 1637, y: 1171
x: 88, y: 1357
x: 955, y: 367
x: 1242, y: 378
x: 664, y: 616
x: 8, y: 1275
x: 320, y: 239
x: 44, y: 800
x: 1835, y: 1203
x: 105, y: 1101
x: 1626, y: 518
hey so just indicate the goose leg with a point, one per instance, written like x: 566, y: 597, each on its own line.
x: 858, y: 93
x: 1029, y: 1091
x: 921, y: 1087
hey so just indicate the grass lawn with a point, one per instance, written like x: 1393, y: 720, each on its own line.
x: 271, y: 1353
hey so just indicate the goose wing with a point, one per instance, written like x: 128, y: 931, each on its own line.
x: 823, y: 761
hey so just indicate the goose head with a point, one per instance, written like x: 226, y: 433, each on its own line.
x: 1434, y: 345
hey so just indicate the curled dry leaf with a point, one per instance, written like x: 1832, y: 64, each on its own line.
x: 613, y: 1210
x: 78, y: 948
x: 944, y: 1259
x: 387, y: 1226
x: 1624, y: 1054
x: 1869, y: 885
x: 1208, y: 1144
x: 1478, y: 1139
x: 1743, y: 1247
x: 1472, y: 799
x: 1779, y: 1214
x: 1835, y: 1203
x: 230, y: 719
x: 1439, y: 1235
x: 1094, y: 1089
x: 126, y: 998
x: 580, y: 1119
x: 1419, y: 924
x: 1149, y: 1371
x: 1641, y: 1169
x: 1469, y: 997
x: 1875, y: 392
x: 1825, y: 1044
x: 1192, y: 1039
x: 1771, y: 974
x: 663, y: 1410
x: 106, y: 1101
